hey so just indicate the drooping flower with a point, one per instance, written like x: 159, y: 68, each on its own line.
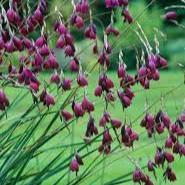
x: 55, y: 78
x: 46, y: 98
x: 74, y: 166
x: 91, y: 128
x: 116, y: 123
x: 65, y: 115
x: 127, y: 16
x: 90, y: 32
x: 106, y: 142
x: 77, y: 109
x: 82, y: 80
x: 87, y: 105
x: 82, y: 7
x: 77, y: 21
x: 169, y: 174
x: 111, y: 30
x: 4, y: 102
x: 169, y: 16
x: 66, y: 84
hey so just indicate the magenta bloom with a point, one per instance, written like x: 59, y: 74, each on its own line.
x: 169, y: 16
x: 98, y: 91
x: 11, y: 15
x: 66, y: 84
x: 74, y: 65
x: 77, y: 109
x: 4, y: 102
x: 74, y: 166
x: 82, y: 7
x: 127, y: 16
x: 47, y: 99
x: 55, y: 78
x: 82, y: 80
x: 90, y: 32
x: 91, y: 128
x: 87, y: 105
x: 77, y: 21
x: 66, y: 115
x: 111, y: 30
x: 116, y: 123
x: 169, y: 174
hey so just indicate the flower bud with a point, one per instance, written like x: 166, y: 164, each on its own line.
x: 87, y: 105
x: 90, y: 32
x: 55, y: 78
x: 169, y: 16
x: 11, y: 15
x: 127, y: 16
x: 78, y: 110
x: 65, y: 115
x: 116, y: 123
x: 82, y: 80
x: 4, y: 102
x: 66, y: 84
x: 74, y: 166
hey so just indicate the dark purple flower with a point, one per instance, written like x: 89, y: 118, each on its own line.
x: 61, y: 42
x: 121, y: 71
x: 82, y: 7
x: 1, y: 43
x: 27, y: 43
x: 127, y: 16
x: 34, y: 86
x: 9, y: 46
x: 44, y: 50
x: 40, y: 41
x: 91, y: 128
x: 61, y: 28
x: 55, y: 78
x: 66, y: 116
x: 69, y: 50
x: 138, y: 176
x: 18, y: 43
x: 111, y: 3
x: 87, y: 105
x: 170, y: 16
x: 169, y: 142
x: 66, y: 84
x: 159, y: 157
x: 169, y: 157
x: 78, y: 110
x: 169, y: 174
x: 74, y: 166
x: 82, y: 80
x: 90, y: 32
x: 123, y: 2
x: 11, y: 15
x: 74, y: 65
x: 116, y: 123
x: 47, y: 99
x: 77, y: 21
x: 4, y: 102
x: 98, y: 91
x: 111, y: 30
x: 151, y: 166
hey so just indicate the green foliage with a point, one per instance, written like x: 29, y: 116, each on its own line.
x: 35, y: 148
